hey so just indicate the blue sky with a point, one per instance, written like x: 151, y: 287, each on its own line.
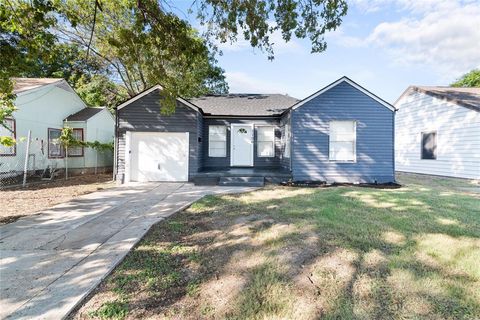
x: 384, y: 45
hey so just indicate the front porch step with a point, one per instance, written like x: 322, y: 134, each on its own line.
x: 242, y: 181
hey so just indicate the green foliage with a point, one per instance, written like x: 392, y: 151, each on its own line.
x: 7, y: 141
x: 257, y: 20
x: 470, y: 79
x: 110, y: 49
x: 111, y: 310
x: 7, y: 106
x: 68, y: 140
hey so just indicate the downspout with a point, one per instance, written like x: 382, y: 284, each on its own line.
x: 115, y: 147
x: 393, y: 146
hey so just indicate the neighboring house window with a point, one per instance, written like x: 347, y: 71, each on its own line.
x: 54, y: 145
x: 10, y: 132
x: 76, y: 151
x: 429, y: 145
x: 287, y: 138
x: 342, y: 141
x: 217, y: 141
x: 265, y: 141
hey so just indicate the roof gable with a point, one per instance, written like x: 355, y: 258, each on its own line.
x: 464, y: 97
x: 350, y: 82
x: 150, y: 90
x: 21, y: 85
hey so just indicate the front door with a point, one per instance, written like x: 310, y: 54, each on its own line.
x: 241, y: 149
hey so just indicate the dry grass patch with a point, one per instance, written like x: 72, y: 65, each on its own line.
x: 38, y: 197
x: 293, y: 253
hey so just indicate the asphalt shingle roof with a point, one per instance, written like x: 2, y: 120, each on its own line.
x: 467, y: 97
x: 244, y: 104
x: 84, y: 114
x: 25, y: 84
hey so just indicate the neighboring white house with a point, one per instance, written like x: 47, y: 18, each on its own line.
x: 437, y: 131
x: 45, y: 106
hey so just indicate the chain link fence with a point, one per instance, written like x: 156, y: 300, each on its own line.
x: 29, y: 162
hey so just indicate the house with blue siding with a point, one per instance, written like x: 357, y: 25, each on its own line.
x: 341, y: 133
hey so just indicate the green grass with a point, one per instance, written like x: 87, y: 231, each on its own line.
x: 301, y: 253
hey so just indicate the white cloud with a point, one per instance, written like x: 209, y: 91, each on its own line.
x: 240, y: 82
x: 441, y: 34
x: 279, y: 45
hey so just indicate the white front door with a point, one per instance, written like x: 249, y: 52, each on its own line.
x: 159, y: 156
x: 241, y: 147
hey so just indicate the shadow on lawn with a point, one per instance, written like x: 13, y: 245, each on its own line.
x: 307, y: 254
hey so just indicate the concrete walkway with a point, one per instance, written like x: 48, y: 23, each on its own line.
x: 51, y: 261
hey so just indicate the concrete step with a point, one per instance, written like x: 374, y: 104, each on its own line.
x: 205, y: 181
x: 242, y: 181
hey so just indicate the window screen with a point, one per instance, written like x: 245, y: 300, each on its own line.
x: 76, y: 151
x: 342, y: 141
x: 429, y: 145
x: 54, y: 145
x: 265, y: 141
x: 217, y: 141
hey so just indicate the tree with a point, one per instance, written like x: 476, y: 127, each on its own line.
x: 7, y: 107
x: 470, y: 79
x: 139, y: 43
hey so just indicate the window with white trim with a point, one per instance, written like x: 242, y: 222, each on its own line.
x: 217, y: 141
x: 55, y: 149
x: 266, y: 141
x: 77, y: 134
x: 342, y: 144
x: 286, y: 142
x: 7, y: 130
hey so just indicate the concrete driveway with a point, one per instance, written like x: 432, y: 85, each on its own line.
x: 51, y: 261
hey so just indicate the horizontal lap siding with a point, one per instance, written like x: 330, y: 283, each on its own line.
x: 310, y: 130
x: 458, y: 137
x: 143, y: 115
x: 284, y: 160
x: 221, y: 162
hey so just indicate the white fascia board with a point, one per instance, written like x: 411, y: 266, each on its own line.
x: 157, y: 87
x: 353, y: 84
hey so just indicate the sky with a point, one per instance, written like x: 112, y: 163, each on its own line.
x: 384, y: 45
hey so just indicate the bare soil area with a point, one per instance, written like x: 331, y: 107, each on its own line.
x: 20, y: 202
x: 304, y: 253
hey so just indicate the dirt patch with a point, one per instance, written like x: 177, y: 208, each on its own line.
x: 35, y: 198
x: 301, y: 253
x: 323, y: 184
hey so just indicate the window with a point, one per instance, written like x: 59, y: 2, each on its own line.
x: 217, y: 141
x: 10, y: 132
x: 429, y: 145
x: 54, y: 146
x: 76, y: 151
x: 286, y: 142
x: 265, y: 141
x: 342, y: 141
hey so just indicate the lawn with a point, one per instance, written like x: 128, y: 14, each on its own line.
x: 37, y: 197
x: 306, y: 253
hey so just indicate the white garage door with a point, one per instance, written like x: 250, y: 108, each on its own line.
x: 158, y: 156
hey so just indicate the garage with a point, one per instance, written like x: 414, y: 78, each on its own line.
x: 157, y: 156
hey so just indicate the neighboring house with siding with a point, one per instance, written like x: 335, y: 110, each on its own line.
x: 44, y: 107
x: 342, y: 133
x: 438, y: 131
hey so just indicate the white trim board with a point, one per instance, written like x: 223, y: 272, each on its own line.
x: 334, y: 84
x: 157, y: 87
